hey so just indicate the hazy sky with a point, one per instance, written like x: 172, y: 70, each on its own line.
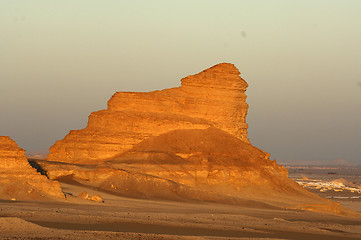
x: 61, y: 60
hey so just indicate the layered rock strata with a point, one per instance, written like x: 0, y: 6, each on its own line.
x: 18, y: 180
x: 214, y: 97
x: 184, y: 143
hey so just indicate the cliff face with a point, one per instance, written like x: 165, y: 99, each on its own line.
x: 214, y: 97
x: 18, y: 179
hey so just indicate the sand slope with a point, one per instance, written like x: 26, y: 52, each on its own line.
x: 196, y: 164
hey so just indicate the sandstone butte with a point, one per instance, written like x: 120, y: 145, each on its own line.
x: 214, y: 97
x: 18, y: 180
x: 183, y: 143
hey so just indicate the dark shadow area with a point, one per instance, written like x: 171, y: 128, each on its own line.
x: 38, y: 168
x: 192, y: 231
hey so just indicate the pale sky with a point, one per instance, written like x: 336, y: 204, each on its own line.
x: 62, y: 60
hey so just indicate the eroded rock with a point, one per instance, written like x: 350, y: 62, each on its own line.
x: 18, y: 180
x: 184, y: 143
x: 94, y: 198
x: 83, y: 195
x: 214, y: 97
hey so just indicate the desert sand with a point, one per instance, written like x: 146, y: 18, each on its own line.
x: 128, y: 218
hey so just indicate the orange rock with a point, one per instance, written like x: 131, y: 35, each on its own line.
x: 18, y: 180
x: 83, y: 195
x: 214, y: 97
x: 188, y: 142
x: 198, y: 164
x: 96, y: 198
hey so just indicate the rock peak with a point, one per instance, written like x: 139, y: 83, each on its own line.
x: 222, y: 75
x: 7, y: 143
x: 6, y: 140
x: 223, y: 67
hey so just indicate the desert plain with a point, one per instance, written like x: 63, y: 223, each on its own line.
x: 128, y: 218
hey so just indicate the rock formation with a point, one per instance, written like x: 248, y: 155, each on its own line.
x: 214, y: 97
x: 94, y: 198
x: 196, y: 164
x: 18, y: 180
x: 183, y: 161
x: 182, y: 143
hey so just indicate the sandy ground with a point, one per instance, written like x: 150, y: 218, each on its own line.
x: 126, y: 218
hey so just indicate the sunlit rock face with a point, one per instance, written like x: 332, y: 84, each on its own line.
x: 18, y: 180
x: 184, y: 143
x: 214, y: 97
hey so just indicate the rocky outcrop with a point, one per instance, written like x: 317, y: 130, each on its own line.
x: 214, y: 97
x: 195, y: 164
x: 184, y: 143
x: 187, y: 160
x: 18, y: 180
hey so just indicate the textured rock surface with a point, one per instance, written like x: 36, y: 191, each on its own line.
x: 196, y: 164
x: 180, y: 161
x: 214, y: 97
x: 18, y: 180
x: 94, y: 198
x: 185, y: 143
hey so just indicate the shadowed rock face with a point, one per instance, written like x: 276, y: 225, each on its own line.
x: 196, y: 164
x: 18, y: 179
x: 214, y: 97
